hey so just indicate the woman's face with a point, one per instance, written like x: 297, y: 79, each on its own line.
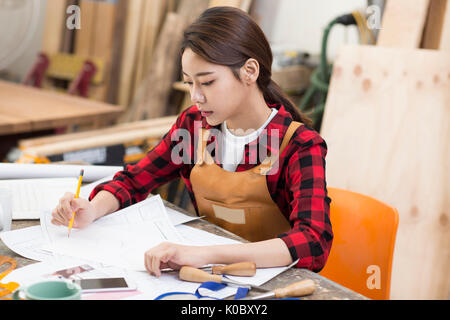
x: 213, y: 88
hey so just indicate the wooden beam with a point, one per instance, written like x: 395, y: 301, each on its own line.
x: 102, y: 45
x: 437, y: 29
x: 154, y: 94
x: 153, y: 15
x: 164, y: 123
x: 241, y: 4
x: 84, y: 37
x: 192, y: 9
x: 445, y: 39
x: 129, y: 53
x: 54, y: 26
x: 403, y: 23
x: 104, y: 140
x: 117, y: 51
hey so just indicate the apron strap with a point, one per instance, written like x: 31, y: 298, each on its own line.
x: 201, y: 148
x: 267, y: 164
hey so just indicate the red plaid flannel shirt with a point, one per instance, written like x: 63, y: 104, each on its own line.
x: 298, y: 186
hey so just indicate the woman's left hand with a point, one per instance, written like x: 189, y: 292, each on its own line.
x: 174, y: 256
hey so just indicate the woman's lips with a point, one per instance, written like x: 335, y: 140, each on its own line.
x: 206, y: 114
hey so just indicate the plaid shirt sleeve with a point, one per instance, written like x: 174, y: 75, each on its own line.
x: 311, y: 236
x: 135, y: 183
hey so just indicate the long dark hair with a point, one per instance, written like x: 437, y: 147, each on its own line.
x: 228, y: 36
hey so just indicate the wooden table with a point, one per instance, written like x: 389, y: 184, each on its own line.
x: 27, y: 109
x: 326, y: 289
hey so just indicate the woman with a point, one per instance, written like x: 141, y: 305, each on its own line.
x: 259, y: 169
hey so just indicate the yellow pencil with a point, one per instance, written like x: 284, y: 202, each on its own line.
x: 80, y: 179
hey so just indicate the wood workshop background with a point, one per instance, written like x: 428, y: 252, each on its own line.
x: 377, y: 88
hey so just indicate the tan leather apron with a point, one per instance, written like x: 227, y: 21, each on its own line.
x: 239, y: 202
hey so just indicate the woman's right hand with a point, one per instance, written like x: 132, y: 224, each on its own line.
x: 63, y: 213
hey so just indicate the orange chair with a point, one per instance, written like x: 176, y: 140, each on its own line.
x: 363, y: 245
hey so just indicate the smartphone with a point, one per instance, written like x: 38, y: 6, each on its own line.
x: 105, y: 285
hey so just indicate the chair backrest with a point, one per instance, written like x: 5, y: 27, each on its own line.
x: 363, y: 244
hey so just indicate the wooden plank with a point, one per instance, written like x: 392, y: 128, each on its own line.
x: 143, y: 31
x: 153, y: 15
x: 445, y: 39
x: 241, y: 4
x: 95, y: 39
x: 386, y: 124
x: 403, y: 23
x: 433, y: 28
x: 129, y: 54
x: 165, y: 123
x: 11, y: 124
x: 153, y: 96
x: 437, y: 29
x: 103, y: 31
x: 104, y: 140
x: 101, y: 47
x: 192, y: 9
x: 54, y: 26
x: 117, y: 51
x: 84, y: 37
x: 172, y: 5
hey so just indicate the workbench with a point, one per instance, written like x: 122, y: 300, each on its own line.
x: 325, y: 290
x: 26, y: 109
x: 27, y: 112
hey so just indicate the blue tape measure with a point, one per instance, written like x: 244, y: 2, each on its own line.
x: 212, y: 286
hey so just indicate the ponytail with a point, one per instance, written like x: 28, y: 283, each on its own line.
x: 273, y: 94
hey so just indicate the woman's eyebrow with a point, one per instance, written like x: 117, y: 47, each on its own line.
x: 200, y: 74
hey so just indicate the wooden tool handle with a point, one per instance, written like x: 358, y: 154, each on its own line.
x: 241, y: 269
x: 197, y: 275
x: 298, y: 289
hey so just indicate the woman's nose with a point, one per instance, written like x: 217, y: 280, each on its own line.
x: 197, y: 96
